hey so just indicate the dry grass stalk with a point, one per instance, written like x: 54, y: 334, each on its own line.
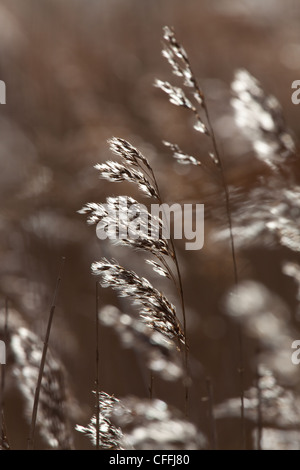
x: 43, y: 362
x: 178, y: 59
x: 25, y: 352
x: 4, y: 444
x: 115, y: 217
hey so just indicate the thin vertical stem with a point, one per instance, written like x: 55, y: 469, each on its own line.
x: 241, y: 371
x: 235, y: 271
x: 213, y: 431
x: 43, y: 359
x: 97, y: 372
x: 180, y: 289
x: 151, y: 385
x: 2, y: 386
x: 184, y: 325
x: 259, y: 411
x: 176, y: 55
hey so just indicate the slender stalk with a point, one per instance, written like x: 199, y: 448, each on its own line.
x: 175, y: 55
x: 181, y: 294
x: 213, y: 431
x: 165, y: 264
x: 172, y: 252
x: 233, y: 254
x: 241, y: 372
x: 43, y: 359
x: 225, y: 188
x: 151, y: 385
x: 3, y: 437
x: 259, y: 411
x: 184, y: 325
x: 97, y: 372
x: 202, y: 99
x: 234, y: 263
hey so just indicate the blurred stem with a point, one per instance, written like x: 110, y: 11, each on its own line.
x: 259, y: 409
x: 3, y: 437
x: 43, y: 360
x: 151, y: 385
x: 213, y: 431
x: 180, y: 290
x: 97, y: 372
x: 235, y: 271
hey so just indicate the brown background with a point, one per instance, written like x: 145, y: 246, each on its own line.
x: 77, y: 73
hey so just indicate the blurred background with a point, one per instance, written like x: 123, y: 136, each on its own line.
x: 77, y: 73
